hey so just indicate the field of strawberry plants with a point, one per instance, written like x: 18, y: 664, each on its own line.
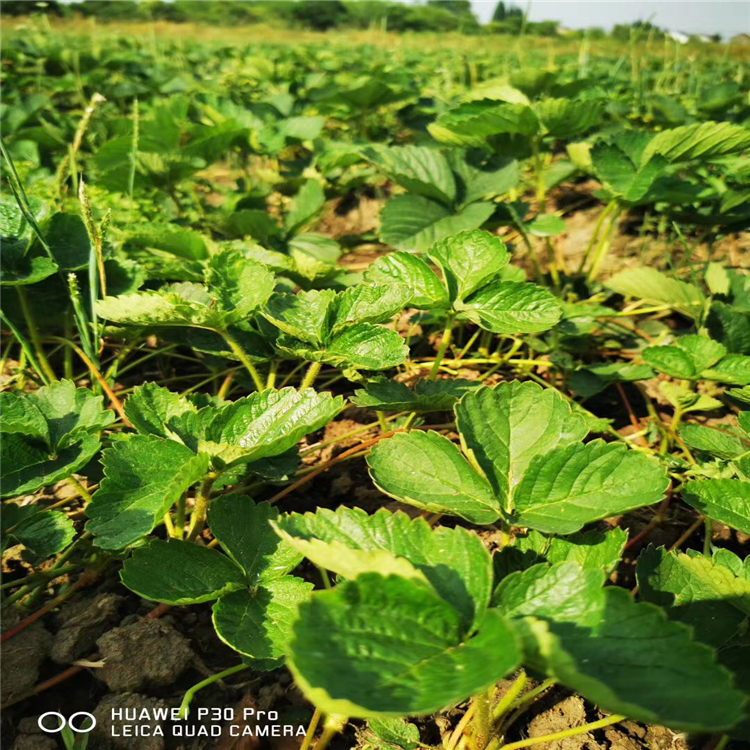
x: 385, y: 396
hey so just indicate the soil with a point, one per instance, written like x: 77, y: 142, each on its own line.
x: 81, y: 623
x: 143, y: 655
x: 22, y: 656
x: 559, y: 710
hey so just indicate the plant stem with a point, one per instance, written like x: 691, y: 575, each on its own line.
x: 324, y: 577
x: 603, y: 247
x: 226, y: 384
x: 693, y: 528
x: 240, y: 354
x: 483, y: 718
x: 507, y: 700
x: 310, y: 375
x: 526, y: 697
x: 460, y: 727
x: 470, y: 343
x: 708, y: 535
x: 381, y: 421
x: 169, y: 526
x: 185, y: 705
x: 614, y: 719
x: 82, y: 491
x: 331, y: 728
x: 271, y: 379
x: 595, y: 235
x: 311, y: 727
x: 26, y: 351
x: 444, y: 344
x: 198, y: 517
x: 34, y: 335
x: 179, y: 522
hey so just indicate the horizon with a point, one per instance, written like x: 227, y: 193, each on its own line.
x: 725, y: 17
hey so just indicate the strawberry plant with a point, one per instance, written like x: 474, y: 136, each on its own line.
x: 414, y: 386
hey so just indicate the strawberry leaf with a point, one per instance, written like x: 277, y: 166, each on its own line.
x: 725, y: 500
x: 244, y: 532
x: 179, y: 573
x: 350, y: 656
x: 144, y: 476
x: 259, y: 623
x: 453, y: 561
x: 426, y: 470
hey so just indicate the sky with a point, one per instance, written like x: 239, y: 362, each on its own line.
x: 705, y: 17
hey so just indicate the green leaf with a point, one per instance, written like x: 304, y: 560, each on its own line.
x: 28, y: 465
x: 239, y: 285
x: 151, y: 407
x: 671, y: 360
x: 368, y: 303
x: 472, y: 123
x: 306, y: 316
x: 696, y: 591
x: 20, y: 414
x: 705, y: 140
x: 25, y: 270
x: 428, y: 395
x: 270, y: 423
x: 628, y: 658
x: 259, y: 623
x: 714, y: 441
x: 725, y: 500
x: 568, y: 118
x: 71, y: 412
x: 483, y: 179
x: 12, y: 221
x: 179, y: 573
x: 469, y: 260
x: 244, y: 532
x: 423, y: 171
x: 512, y: 307
x: 170, y: 238
x: 426, y: 470
x: 628, y: 181
x: 404, y: 268
x: 730, y: 560
x: 506, y: 427
x: 68, y: 241
x: 703, y: 351
x: 152, y: 309
x: 571, y: 486
x: 547, y: 225
x: 686, y: 400
x: 367, y: 347
x: 253, y: 223
x: 687, y: 358
x: 411, y: 222
x: 598, y: 550
x: 43, y: 534
x: 730, y: 326
x: 653, y: 286
x: 395, y: 732
x: 144, y: 476
x: 387, y: 645
x: 453, y: 561
x: 563, y: 592
x: 734, y: 369
x: 305, y: 206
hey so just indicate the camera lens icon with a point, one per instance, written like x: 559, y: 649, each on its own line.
x: 45, y: 722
